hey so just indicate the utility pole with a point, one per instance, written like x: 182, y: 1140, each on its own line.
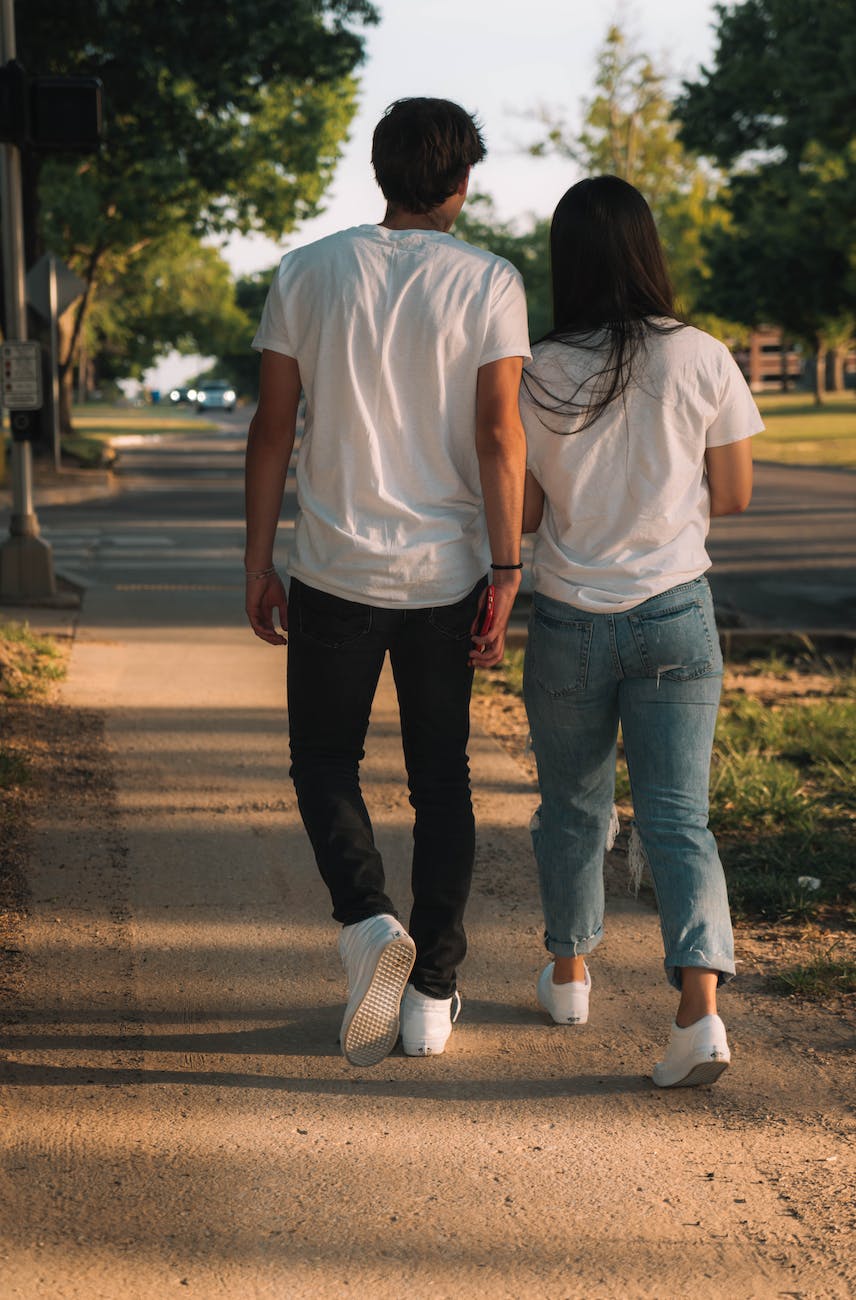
x: 26, y: 560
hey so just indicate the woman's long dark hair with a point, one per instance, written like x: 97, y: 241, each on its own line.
x: 610, y: 288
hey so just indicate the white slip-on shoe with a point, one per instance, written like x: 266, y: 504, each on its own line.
x: 426, y: 1023
x: 378, y: 956
x: 568, y: 1004
x: 697, y: 1054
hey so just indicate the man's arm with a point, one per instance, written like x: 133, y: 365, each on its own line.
x: 270, y: 443
x: 501, y: 450
x: 729, y: 477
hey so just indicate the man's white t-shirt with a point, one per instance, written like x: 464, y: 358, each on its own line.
x: 389, y: 329
x: 627, y: 506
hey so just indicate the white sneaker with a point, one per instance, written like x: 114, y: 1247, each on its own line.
x: 697, y: 1054
x: 426, y: 1023
x: 568, y: 1004
x: 378, y: 956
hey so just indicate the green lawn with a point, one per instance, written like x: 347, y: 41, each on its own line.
x: 95, y: 426
x: 104, y: 420
x: 783, y: 794
x: 797, y: 432
x: 800, y: 433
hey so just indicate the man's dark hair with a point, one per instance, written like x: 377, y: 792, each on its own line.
x: 421, y: 150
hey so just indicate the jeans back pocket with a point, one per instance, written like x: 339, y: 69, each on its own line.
x: 329, y: 620
x: 677, y: 642
x: 559, y: 652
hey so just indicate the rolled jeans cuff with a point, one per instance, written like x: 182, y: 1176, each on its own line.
x: 573, y: 947
x: 720, y: 962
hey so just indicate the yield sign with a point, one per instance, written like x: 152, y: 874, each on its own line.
x: 68, y: 286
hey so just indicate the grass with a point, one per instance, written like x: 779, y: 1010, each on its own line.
x: 783, y: 803
x: 28, y: 662
x: 96, y: 426
x: 100, y: 421
x: 824, y: 977
x: 800, y: 433
x: 783, y: 792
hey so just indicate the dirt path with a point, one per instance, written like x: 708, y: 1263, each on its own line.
x: 177, y: 1118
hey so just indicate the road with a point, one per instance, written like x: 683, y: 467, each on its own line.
x: 789, y: 562
x: 175, y: 1114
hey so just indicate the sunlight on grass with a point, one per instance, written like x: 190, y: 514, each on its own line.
x: 824, y: 977
x: 800, y: 433
x: 28, y: 662
x: 104, y: 421
x: 783, y: 791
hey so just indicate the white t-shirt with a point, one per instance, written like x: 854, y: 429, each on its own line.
x: 627, y: 506
x: 389, y: 328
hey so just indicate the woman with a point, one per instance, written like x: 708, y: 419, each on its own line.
x: 639, y: 430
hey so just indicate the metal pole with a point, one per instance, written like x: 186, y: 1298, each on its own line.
x: 26, y: 562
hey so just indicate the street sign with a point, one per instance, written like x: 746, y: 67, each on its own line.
x: 69, y: 286
x: 22, y: 375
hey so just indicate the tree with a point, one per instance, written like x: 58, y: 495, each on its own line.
x: 777, y: 108
x: 628, y: 131
x: 529, y: 251
x: 218, y: 118
x: 237, y: 361
x: 174, y: 293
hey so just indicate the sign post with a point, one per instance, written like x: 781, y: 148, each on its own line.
x: 26, y: 561
x: 51, y: 289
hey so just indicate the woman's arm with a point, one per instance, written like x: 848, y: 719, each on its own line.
x: 729, y: 477
x: 533, y: 504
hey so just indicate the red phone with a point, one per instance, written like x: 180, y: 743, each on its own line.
x: 487, y: 612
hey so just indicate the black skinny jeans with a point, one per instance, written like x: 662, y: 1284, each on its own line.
x: 336, y: 650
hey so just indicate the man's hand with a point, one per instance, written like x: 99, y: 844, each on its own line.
x: 501, y: 451
x: 269, y: 445
x: 264, y: 595
x: 488, y: 650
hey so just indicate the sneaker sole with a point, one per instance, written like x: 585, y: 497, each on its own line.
x: 373, y: 1028
x: 706, y: 1072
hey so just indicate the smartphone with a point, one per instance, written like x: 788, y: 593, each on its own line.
x: 487, y: 612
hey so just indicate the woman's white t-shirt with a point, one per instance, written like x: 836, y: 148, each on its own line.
x: 389, y: 329
x: 627, y: 507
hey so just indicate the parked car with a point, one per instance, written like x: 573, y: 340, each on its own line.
x: 215, y: 394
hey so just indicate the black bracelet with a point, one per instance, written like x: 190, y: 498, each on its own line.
x: 507, y: 566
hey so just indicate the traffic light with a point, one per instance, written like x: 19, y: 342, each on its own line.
x: 49, y: 112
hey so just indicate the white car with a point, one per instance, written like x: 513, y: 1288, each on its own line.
x: 216, y: 394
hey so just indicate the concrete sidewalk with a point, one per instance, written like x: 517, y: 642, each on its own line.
x: 176, y: 1109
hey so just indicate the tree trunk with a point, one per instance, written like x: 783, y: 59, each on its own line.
x: 839, y: 355
x: 820, y: 374
x: 65, y: 329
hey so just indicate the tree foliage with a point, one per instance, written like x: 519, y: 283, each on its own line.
x: 217, y: 118
x: 175, y: 293
x: 778, y: 108
x: 527, y: 250
x: 237, y: 361
x: 628, y: 130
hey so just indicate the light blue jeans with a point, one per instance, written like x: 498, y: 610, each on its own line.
x: 656, y: 670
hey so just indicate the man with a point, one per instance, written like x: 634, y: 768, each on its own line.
x: 408, y: 345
